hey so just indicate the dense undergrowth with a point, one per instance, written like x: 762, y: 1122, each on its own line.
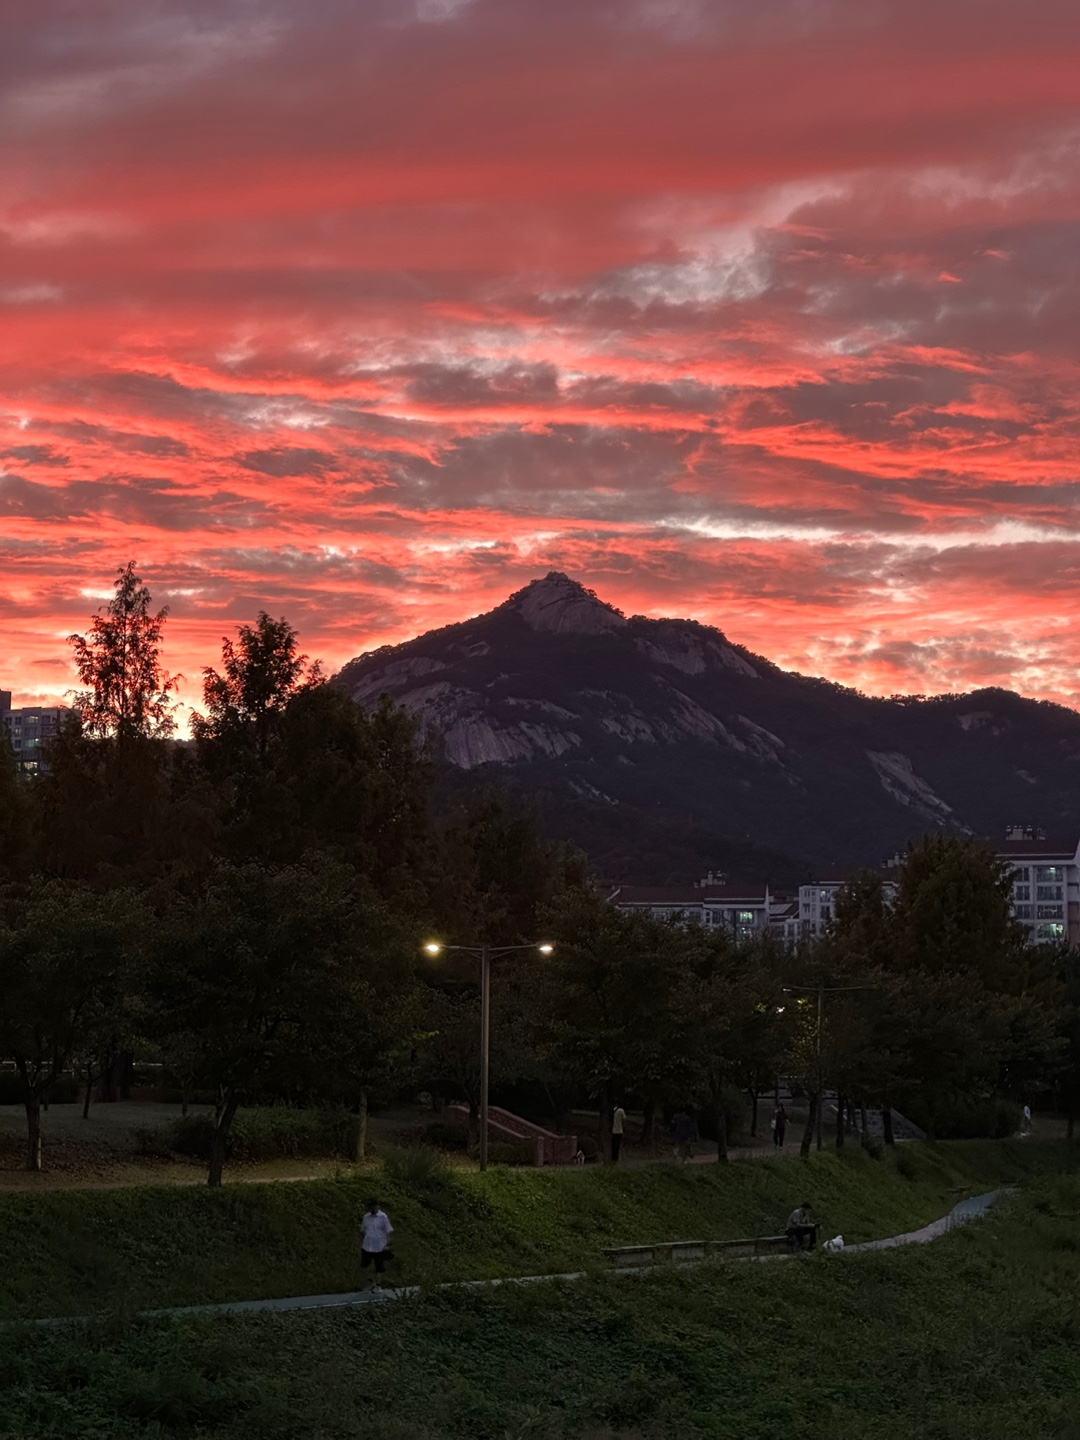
x: 76, y: 1252
x: 975, y: 1337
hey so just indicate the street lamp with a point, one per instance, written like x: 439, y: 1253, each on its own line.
x: 484, y: 954
x: 821, y: 991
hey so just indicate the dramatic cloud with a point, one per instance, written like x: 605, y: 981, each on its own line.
x: 369, y: 313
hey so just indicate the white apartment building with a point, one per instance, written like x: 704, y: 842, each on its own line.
x: 1045, y: 895
x: 29, y: 727
x: 1045, y: 887
x: 817, y: 902
x: 1045, y: 884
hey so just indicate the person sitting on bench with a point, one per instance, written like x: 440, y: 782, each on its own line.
x: 801, y: 1228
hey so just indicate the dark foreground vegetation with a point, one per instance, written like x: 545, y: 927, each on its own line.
x: 975, y: 1337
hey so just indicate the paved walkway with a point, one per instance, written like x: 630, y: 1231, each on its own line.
x: 965, y: 1210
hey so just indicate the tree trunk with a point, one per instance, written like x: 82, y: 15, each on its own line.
x: 648, y: 1126
x: 811, y: 1124
x: 607, y: 1111
x: 721, y: 1126
x: 89, y: 1092
x: 753, y: 1114
x: 33, y: 1132
x: 841, y: 1108
x: 886, y: 1126
x: 360, y: 1152
x: 474, y: 1122
x: 223, y: 1118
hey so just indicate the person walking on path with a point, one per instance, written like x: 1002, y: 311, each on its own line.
x: 1025, y: 1122
x: 618, y: 1125
x: 779, y: 1126
x: 685, y: 1132
x: 376, y: 1231
x: 801, y: 1227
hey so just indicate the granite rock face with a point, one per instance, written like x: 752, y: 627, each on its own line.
x: 662, y: 747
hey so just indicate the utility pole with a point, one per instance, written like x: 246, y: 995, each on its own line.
x: 484, y: 954
x: 821, y: 991
x: 820, y: 1080
x: 485, y: 1049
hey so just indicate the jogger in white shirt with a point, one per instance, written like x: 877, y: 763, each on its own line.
x: 376, y: 1229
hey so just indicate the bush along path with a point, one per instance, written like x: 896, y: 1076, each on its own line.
x: 962, y: 1212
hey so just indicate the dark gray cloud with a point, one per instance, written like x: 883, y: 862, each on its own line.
x: 35, y: 455
x: 284, y: 462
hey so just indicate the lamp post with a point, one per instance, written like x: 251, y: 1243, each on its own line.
x: 821, y: 991
x: 485, y: 954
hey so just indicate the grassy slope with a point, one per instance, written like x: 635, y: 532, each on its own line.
x: 976, y: 1337
x: 69, y: 1253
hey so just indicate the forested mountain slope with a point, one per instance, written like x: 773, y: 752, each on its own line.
x: 663, y: 749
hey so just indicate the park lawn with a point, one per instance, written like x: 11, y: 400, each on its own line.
x: 75, y: 1252
x: 975, y: 1337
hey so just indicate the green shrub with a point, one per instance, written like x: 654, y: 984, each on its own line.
x: 905, y: 1164
x: 966, y: 1118
x: 274, y: 1133
x: 416, y: 1168
x: 511, y: 1152
x: 438, y: 1135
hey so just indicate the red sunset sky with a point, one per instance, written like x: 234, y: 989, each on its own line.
x: 367, y: 312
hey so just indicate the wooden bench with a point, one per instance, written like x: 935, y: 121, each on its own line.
x: 753, y: 1245
x: 625, y: 1256
x: 675, y: 1250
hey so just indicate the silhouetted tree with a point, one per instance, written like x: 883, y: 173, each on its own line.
x: 63, y: 950
x: 266, y: 972
x: 263, y: 670
x: 128, y: 689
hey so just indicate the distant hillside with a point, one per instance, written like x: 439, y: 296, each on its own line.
x: 664, y: 750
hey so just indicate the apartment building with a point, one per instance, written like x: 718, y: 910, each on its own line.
x: 29, y: 727
x: 742, y: 910
x: 817, y: 901
x: 1045, y: 883
x: 1045, y: 895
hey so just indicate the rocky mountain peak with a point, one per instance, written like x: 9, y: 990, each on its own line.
x: 562, y: 606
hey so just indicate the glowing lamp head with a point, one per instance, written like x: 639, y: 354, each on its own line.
x: 433, y: 947
x: 546, y: 949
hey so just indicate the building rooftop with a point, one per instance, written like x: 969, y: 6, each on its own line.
x: 688, y: 894
x: 1060, y: 849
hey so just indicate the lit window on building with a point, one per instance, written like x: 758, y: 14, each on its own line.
x: 1050, y: 872
x: 1050, y: 932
